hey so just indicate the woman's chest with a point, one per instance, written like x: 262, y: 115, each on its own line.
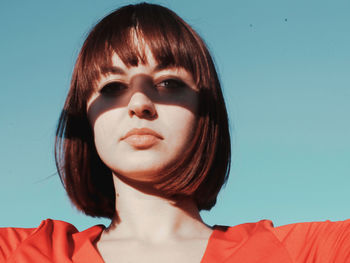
x: 171, y: 252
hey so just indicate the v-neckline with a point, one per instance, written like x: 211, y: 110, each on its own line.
x: 209, y: 243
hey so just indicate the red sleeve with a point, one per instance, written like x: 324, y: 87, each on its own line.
x: 10, y: 239
x: 317, y: 241
x: 51, y: 241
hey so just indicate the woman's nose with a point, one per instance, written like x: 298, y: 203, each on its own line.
x: 142, y: 106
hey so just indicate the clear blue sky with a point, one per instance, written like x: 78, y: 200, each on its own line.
x: 285, y: 70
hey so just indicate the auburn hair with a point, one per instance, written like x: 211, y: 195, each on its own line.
x: 202, y: 169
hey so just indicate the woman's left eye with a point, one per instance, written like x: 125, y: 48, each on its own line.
x: 112, y: 89
x: 170, y: 84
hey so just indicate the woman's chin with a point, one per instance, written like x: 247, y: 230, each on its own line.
x: 142, y: 175
x: 140, y: 181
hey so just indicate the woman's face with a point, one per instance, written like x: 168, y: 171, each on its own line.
x: 143, y: 117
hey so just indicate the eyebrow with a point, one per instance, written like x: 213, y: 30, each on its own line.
x: 112, y: 70
x: 119, y: 71
x: 163, y: 66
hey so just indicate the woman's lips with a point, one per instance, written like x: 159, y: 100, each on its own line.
x: 141, y: 141
x: 142, y: 138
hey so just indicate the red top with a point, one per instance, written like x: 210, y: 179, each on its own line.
x: 317, y: 242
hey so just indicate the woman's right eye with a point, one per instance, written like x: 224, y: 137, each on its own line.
x: 113, y: 88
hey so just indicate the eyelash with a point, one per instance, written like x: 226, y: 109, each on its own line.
x: 170, y: 84
x: 115, y: 88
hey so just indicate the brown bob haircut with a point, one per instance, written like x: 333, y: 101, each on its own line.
x: 203, y: 168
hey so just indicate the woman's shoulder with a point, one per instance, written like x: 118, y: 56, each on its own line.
x: 12, y: 236
x: 298, y: 242
x: 53, y: 238
x: 327, y: 239
x: 283, y: 232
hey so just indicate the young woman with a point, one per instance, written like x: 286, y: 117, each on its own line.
x: 143, y: 139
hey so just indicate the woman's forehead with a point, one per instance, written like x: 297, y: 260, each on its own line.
x: 149, y: 64
x: 138, y: 52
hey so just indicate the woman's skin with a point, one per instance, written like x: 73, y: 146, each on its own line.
x: 149, y: 227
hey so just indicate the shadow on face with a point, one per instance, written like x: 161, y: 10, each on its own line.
x: 141, y: 97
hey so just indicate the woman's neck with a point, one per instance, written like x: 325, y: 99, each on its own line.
x: 148, y: 216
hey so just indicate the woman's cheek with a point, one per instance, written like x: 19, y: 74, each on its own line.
x: 105, y: 135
